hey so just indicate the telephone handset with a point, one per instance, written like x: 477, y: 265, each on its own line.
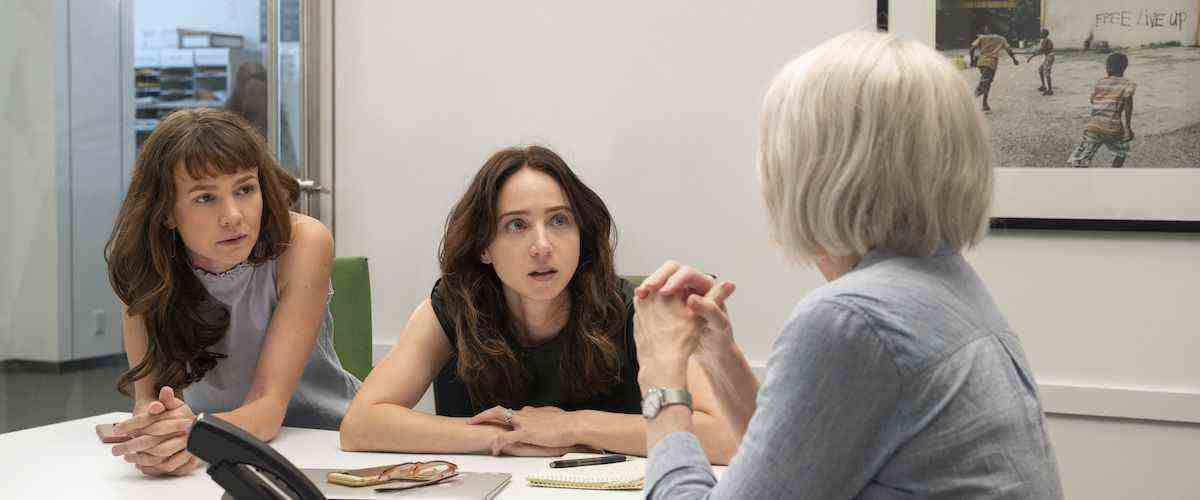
x: 248, y: 469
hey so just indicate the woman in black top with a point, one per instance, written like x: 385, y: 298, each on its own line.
x: 527, y: 337
x: 546, y: 384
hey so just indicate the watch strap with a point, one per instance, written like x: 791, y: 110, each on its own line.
x: 676, y: 397
x: 658, y: 398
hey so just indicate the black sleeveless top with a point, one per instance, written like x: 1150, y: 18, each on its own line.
x: 452, y: 399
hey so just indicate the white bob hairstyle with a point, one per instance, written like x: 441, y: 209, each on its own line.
x: 871, y: 141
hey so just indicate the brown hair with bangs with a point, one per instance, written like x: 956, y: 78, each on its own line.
x: 148, y: 264
x: 474, y: 295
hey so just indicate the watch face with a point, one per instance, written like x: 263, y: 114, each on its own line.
x: 651, y: 404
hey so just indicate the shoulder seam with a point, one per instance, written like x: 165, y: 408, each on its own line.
x: 933, y: 363
x: 924, y: 367
x: 866, y: 319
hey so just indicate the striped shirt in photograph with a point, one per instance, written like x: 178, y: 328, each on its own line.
x: 989, y: 49
x: 1109, y: 99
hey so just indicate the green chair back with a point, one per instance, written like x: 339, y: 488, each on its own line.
x: 351, y: 309
x: 635, y: 279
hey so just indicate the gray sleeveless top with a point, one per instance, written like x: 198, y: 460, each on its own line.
x: 325, y: 388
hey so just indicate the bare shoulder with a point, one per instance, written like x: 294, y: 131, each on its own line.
x: 424, y: 333
x: 424, y: 319
x: 310, y: 251
x: 308, y: 231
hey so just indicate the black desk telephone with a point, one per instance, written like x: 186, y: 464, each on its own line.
x: 247, y: 468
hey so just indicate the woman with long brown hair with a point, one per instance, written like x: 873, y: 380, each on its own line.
x: 527, y: 337
x: 225, y: 293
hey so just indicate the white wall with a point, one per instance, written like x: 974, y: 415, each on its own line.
x: 656, y: 106
x: 915, y: 17
x: 1101, y: 309
x: 1121, y: 22
x: 29, y: 164
x: 1125, y: 459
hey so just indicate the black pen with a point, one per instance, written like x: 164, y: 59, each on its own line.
x: 576, y: 462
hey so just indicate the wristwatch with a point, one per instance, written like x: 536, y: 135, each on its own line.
x: 658, y: 397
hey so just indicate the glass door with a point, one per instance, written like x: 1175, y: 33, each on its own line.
x: 249, y: 56
x: 294, y: 33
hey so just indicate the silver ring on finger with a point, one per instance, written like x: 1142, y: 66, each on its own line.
x: 508, y: 416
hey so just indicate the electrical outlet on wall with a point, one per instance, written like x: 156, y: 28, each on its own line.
x: 101, y: 319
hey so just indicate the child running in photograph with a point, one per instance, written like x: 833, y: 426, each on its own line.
x: 1111, y: 121
x: 989, y: 47
x: 1046, y: 48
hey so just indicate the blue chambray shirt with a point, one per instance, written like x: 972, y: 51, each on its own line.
x: 901, y: 379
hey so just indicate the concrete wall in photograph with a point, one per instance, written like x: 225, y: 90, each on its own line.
x: 1120, y: 22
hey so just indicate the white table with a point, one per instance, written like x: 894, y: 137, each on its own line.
x: 67, y: 460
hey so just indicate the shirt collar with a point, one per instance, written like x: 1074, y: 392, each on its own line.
x: 878, y: 254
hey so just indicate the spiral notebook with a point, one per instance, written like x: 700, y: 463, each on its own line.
x: 627, y: 475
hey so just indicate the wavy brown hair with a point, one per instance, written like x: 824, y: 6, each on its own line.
x: 148, y: 264
x: 487, y: 336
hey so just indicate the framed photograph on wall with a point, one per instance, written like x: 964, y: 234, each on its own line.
x: 1094, y: 105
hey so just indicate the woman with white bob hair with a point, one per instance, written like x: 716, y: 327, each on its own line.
x: 899, y: 378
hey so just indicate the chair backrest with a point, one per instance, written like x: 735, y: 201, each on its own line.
x: 635, y: 279
x: 351, y: 309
